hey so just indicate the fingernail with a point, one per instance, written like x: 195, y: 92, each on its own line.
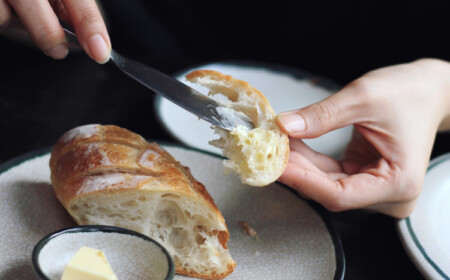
x: 98, y: 49
x: 292, y: 122
x: 58, y: 52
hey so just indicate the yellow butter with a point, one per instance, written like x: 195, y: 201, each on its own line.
x: 88, y: 264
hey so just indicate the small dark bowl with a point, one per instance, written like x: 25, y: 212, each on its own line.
x: 131, y: 255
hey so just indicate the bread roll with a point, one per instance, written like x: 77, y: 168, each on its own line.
x: 110, y: 176
x: 259, y: 155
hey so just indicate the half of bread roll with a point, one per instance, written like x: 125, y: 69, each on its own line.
x: 259, y: 156
x: 110, y: 176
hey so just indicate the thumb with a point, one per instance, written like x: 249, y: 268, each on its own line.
x: 338, y: 110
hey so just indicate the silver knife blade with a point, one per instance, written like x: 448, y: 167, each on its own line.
x: 181, y: 94
x: 170, y: 88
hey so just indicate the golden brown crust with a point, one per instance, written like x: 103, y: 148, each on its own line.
x: 107, y: 150
x: 95, y: 133
x: 235, y: 85
x: 217, y: 276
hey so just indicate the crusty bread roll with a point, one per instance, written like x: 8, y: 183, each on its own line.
x: 108, y: 175
x: 259, y: 155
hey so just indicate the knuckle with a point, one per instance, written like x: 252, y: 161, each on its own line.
x: 337, y: 201
x: 90, y: 18
x: 323, y: 112
x: 409, y: 185
x: 335, y: 205
x: 411, y: 192
x: 370, y: 91
x: 364, y: 86
x: 48, y: 37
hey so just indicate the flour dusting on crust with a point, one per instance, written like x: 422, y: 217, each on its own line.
x: 80, y: 132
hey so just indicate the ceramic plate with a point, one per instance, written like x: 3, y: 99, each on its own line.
x: 285, y: 88
x: 293, y: 240
x: 426, y: 232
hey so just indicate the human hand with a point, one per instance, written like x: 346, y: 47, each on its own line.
x: 40, y: 19
x: 396, y: 112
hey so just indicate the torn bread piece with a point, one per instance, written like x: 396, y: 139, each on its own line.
x: 108, y: 175
x: 260, y: 155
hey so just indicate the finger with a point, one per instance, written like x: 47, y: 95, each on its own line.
x: 301, y: 178
x: 90, y: 28
x: 352, y: 192
x: 300, y: 150
x: 344, y: 108
x: 43, y: 26
x: 5, y: 12
x: 304, y: 163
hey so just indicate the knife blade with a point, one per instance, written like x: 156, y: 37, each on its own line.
x: 179, y: 93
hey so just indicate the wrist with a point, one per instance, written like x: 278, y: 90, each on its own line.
x: 440, y: 75
x: 445, y: 123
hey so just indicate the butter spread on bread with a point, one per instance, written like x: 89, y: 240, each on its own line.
x: 260, y: 155
x: 110, y: 176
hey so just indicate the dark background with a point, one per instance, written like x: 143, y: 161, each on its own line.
x: 341, y: 40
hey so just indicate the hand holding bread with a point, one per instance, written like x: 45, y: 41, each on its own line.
x: 396, y: 112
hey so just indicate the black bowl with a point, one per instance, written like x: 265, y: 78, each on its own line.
x: 131, y: 255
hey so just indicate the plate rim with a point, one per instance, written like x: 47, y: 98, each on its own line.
x: 414, y: 248
x: 321, y: 211
x: 276, y: 67
x: 279, y: 68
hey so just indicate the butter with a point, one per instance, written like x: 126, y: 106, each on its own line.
x: 88, y: 264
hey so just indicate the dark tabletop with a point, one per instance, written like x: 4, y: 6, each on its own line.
x: 41, y: 98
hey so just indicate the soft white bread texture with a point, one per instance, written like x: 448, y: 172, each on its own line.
x: 259, y: 156
x: 110, y: 176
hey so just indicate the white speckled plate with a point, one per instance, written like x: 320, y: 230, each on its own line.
x: 293, y: 240
x: 285, y: 88
x: 425, y: 233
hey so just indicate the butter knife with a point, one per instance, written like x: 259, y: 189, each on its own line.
x: 170, y: 88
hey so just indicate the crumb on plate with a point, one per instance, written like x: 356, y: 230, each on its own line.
x: 247, y: 229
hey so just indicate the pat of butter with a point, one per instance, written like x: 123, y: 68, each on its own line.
x: 88, y: 264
